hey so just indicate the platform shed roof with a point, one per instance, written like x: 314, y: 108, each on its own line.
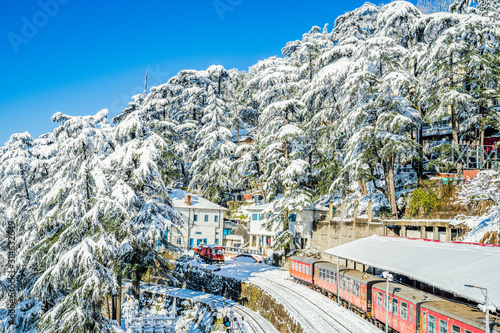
x: 448, y: 266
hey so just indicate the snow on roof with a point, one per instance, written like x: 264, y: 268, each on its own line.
x: 245, y: 133
x: 178, y: 199
x: 262, y: 206
x: 446, y: 265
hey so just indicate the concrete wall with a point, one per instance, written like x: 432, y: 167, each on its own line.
x: 330, y: 234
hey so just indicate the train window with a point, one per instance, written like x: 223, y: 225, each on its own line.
x: 432, y: 324
x: 357, y: 289
x: 443, y: 326
x: 455, y: 329
x: 404, y: 309
x: 379, y: 299
x: 395, y: 307
x: 466, y: 331
x: 411, y: 314
x: 424, y: 321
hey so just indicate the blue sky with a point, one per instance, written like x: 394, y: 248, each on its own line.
x: 80, y: 56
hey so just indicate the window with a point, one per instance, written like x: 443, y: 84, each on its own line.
x: 395, y: 306
x: 216, y: 218
x: 467, y: 331
x: 196, y: 217
x: 424, y: 320
x: 217, y: 241
x: 198, y: 242
x: 261, y: 216
x: 206, y: 218
x: 404, y: 310
x: 254, y: 217
x: 411, y: 313
x: 179, y: 241
x: 443, y: 326
x: 379, y: 299
x: 197, y: 233
x: 455, y: 329
x: 292, y: 217
x: 205, y: 241
x: 432, y: 324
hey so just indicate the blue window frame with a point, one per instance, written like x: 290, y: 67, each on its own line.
x: 179, y: 241
x: 191, y: 242
x: 254, y: 217
x: 206, y: 218
x: 217, y: 241
x: 199, y: 241
x: 195, y: 217
x: 205, y: 241
x: 216, y: 218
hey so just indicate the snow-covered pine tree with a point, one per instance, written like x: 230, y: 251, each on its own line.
x: 138, y: 175
x: 286, y: 166
x: 376, y: 129
x: 75, y: 251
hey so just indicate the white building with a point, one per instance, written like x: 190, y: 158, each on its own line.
x: 300, y: 223
x: 203, y: 220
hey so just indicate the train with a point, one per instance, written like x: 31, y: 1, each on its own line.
x: 410, y: 310
x: 211, y: 253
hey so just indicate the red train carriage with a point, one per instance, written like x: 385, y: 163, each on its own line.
x: 449, y: 317
x: 325, y: 277
x: 211, y: 253
x: 404, y: 305
x: 302, y: 268
x: 356, y: 289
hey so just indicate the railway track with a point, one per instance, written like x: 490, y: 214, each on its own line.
x: 335, y: 327
x: 254, y: 324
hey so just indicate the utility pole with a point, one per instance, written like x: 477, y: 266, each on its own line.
x: 388, y: 278
x: 11, y: 277
x: 146, y: 85
x: 338, y: 281
x: 486, y: 307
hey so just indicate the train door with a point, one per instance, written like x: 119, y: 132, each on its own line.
x: 423, y: 323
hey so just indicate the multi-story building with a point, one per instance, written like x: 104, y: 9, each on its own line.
x: 203, y: 220
x: 301, y: 224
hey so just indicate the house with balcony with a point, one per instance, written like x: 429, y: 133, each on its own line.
x: 203, y: 220
x: 300, y: 223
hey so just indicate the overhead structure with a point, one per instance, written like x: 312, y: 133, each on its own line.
x: 449, y: 266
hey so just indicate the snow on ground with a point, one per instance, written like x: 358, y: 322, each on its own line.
x: 246, y: 319
x: 315, y: 312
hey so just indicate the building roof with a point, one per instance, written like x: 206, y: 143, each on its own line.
x: 448, y: 266
x: 262, y: 206
x: 245, y: 133
x: 178, y: 199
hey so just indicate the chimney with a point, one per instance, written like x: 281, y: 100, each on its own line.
x: 187, y: 199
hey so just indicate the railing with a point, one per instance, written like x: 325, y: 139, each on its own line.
x: 242, y: 250
x: 479, y: 157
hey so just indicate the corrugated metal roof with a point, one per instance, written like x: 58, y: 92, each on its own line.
x: 445, y: 265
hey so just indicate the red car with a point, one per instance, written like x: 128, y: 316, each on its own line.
x: 211, y: 253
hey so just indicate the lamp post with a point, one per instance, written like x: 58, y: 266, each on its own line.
x: 388, y: 278
x: 486, y: 308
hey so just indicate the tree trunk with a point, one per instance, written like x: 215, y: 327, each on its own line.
x: 362, y: 187
x: 390, y: 186
x: 117, y: 300
x: 454, y: 134
x: 107, y: 313
x: 136, y: 282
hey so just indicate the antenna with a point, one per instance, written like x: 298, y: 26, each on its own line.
x: 146, y: 84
